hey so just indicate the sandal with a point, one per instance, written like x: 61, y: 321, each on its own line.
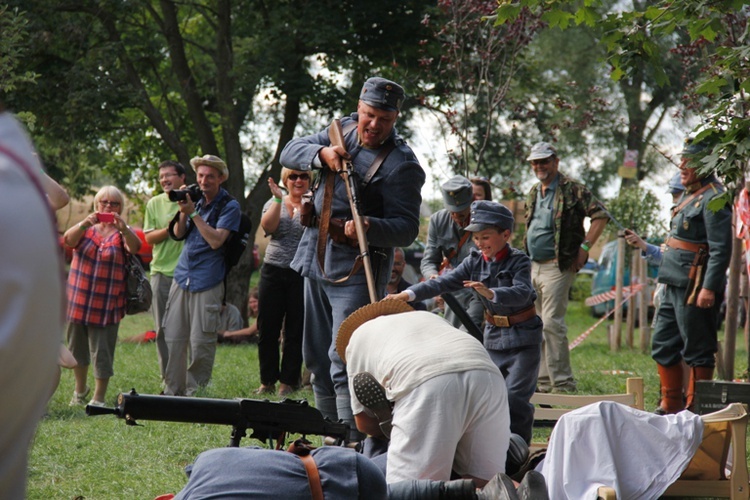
x: 265, y: 389
x: 79, y: 398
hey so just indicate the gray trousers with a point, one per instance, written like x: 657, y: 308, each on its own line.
x: 190, y: 324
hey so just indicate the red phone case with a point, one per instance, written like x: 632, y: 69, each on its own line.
x: 105, y: 217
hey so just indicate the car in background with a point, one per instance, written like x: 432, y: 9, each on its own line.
x: 605, y: 278
x: 145, y: 254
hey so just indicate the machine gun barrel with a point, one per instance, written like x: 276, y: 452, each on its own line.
x: 267, y: 419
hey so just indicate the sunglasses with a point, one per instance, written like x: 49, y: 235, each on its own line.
x: 542, y: 162
x: 109, y: 203
x: 294, y: 177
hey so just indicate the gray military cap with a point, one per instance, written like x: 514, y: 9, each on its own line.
x: 488, y: 214
x: 383, y: 94
x: 457, y: 193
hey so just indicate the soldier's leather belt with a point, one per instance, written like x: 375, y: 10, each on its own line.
x: 679, y: 244
x: 513, y: 319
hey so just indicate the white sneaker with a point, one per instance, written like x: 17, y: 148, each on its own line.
x: 79, y: 398
x: 94, y: 402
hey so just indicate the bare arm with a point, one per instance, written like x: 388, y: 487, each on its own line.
x: 156, y: 236
x: 269, y: 221
x: 56, y: 195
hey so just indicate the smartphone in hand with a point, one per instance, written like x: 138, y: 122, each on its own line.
x: 105, y: 217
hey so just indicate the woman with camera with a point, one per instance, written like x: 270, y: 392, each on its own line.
x: 96, y: 291
x: 281, y: 301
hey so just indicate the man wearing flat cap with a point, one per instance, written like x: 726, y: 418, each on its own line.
x: 700, y: 239
x: 559, y: 247
x: 500, y: 278
x: 449, y: 243
x: 193, y: 313
x: 390, y: 180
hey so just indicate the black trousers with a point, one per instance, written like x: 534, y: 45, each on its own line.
x: 280, y: 305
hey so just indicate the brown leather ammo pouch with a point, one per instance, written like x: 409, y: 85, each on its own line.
x: 307, y: 211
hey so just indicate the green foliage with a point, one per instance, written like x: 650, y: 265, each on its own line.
x: 13, y: 48
x: 638, y: 209
x: 716, y: 44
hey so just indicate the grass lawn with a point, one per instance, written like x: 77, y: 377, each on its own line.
x: 102, y: 458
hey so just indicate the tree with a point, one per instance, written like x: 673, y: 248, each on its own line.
x: 467, y: 72
x: 124, y: 85
x: 716, y: 34
x: 574, y: 101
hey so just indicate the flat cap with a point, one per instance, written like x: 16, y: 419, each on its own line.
x: 211, y: 161
x: 541, y: 150
x: 457, y: 193
x: 488, y: 214
x: 383, y: 94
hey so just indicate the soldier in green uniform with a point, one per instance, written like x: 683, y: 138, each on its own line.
x: 693, y: 270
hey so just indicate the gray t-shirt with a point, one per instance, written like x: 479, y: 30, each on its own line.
x: 541, y: 234
x: 283, y: 245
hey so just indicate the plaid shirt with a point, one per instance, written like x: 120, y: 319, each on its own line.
x: 96, y: 281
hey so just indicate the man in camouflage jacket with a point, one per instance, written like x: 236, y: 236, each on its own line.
x: 559, y: 247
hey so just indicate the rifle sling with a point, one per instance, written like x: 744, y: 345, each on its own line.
x: 690, y: 199
x: 447, y: 259
x: 325, y: 216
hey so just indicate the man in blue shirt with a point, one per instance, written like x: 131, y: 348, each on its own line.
x: 193, y: 312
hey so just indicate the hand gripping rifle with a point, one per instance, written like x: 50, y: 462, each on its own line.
x: 336, y: 136
x: 268, y: 420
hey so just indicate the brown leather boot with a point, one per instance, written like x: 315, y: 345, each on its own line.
x: 697, y: 373
x: 671, y: 389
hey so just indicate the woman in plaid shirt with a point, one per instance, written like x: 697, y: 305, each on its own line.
x: 96, y: 291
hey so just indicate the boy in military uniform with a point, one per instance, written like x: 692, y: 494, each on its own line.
x: 500, y: 276
x: 693, y: 270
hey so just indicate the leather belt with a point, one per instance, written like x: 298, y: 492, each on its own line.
x: 679, y: 244
x: 513, y: 319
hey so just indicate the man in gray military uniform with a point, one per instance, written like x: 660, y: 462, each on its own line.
x: 685, y: 326
x: 390, y: 202
x: 448, y: 244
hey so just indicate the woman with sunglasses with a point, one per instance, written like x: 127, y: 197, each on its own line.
x: 96, y: 291
x: 281, y: 300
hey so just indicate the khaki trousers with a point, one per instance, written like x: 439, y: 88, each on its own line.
x: 552, y: 287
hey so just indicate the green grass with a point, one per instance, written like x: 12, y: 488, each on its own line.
x: 102, y: 458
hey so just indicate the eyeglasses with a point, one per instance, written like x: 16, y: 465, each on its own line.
x: 166, y: 176
x: 109, y: 203
x: 294, y: 177
x: 542, y: 161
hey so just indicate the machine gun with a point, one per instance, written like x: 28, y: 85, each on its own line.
x: 268, y: 420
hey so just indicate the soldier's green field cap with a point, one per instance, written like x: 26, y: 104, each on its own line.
x: 382, y: 94
x: 488, y: 214
x: 457, y: 193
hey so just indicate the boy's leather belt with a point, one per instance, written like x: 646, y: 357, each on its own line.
x: 679, y: 244
x: 513, y: 319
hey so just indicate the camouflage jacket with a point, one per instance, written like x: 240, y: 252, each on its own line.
x: 572, y: 204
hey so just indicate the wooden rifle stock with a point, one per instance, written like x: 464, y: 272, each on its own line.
x: 336, y: 136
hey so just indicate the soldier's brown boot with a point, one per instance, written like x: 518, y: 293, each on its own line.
x: 697, y: 373
x: 671, y: 389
